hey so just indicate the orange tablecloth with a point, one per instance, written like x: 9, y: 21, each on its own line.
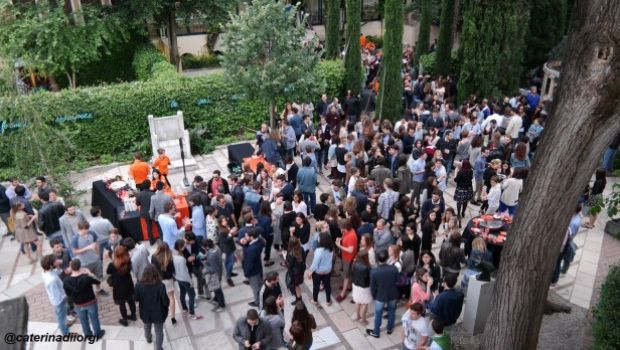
x: 182, y: 212
x: 253, y: 163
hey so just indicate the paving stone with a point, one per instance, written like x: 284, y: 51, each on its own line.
x: 357, y: 340
x: 117, y: 344
x: 45, y: 346
x: 342, y: 321
x: 95, y: 346
x: 179, y: 344
x: 324, y: 338
x: 219, y: 340
x: 130, y: 333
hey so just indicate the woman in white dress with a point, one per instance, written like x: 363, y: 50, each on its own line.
x: 361, y: 285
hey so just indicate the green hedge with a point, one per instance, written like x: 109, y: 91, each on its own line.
x: 606, y: 326
x: 119, y: 112
x: 190, y: 61
x: 144, y: 59
x: 116, y: 125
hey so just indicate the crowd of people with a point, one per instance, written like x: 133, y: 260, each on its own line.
x: 371, y: 232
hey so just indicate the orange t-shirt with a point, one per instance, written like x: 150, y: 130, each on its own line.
x: 349, y: 239
x: 139, y: 171
x: 161, y: 164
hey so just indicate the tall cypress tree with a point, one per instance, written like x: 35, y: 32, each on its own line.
x: 353, y: 59
x: 390, y: 82
x: 492, y: 46
x: 332, y: 29
x: 444, y: 43
x: 546, y: 29
x: 424, y: 34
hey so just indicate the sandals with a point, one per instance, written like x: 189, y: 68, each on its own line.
x: 195, y: 317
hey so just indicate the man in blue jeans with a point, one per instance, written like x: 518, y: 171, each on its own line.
x: 306, y: 180
x: 384, y: 292
x: 55, y: 292
x: 79, y: 287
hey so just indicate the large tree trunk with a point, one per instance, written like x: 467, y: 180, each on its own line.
x: 172, y: 37
x: 582, y: 122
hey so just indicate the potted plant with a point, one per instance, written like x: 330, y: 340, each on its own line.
x: 613, y: 207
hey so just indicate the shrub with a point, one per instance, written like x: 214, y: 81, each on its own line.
x: 333, y: 73
x: 606, y: 326
x: 190, y: 61
x: 144, y: 59
x: 428, y: 64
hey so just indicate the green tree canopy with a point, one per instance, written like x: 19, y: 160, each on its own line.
x: 48, y: 38
x: 390, y: 81
x: 332, y: 29
x: 268, y: 53
x: 444, y: 43
x: 353, y: 59
x: 546, y: 29
x: 424, y: 35
x: 492, y: 46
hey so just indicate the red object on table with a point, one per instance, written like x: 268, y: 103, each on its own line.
x: 253, y: 163
x: 182, y: 212
x: 182, y: 209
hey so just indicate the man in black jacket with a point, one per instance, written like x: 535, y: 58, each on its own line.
x: 447, y: 145
x: 251, y: 332
x: 49, y: 216
x: 352, y: 107
x: 5, y: 208
x: 143, y: 201
x: 79, y: 287
x: 384, y: 291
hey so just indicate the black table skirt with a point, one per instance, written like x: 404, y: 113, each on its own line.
x: 112, y: 208
x: 495, y: 249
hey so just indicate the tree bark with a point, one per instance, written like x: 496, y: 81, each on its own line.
x: 583, y: 120
x: 455, y: 21
x: 172, y: 37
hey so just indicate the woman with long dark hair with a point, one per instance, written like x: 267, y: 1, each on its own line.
x: 226, y: 241
x: 296, y: 267
x: 301, y: 230
x: 361, y: 286
x: 464, y: 191
x: 162, y: 260
x: 122, y: 284
x: 307, y: 323
x: 428, y: 261
x: 150, y: 293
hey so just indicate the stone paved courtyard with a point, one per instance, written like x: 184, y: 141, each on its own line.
x: 336, y: 329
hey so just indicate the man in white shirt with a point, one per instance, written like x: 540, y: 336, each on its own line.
x: 55, y: 291
x: 416, y: 331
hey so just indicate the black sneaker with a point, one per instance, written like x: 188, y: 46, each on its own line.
x: 133, y: 318
x: 230, y: 282
x: 372, y: 333
x: 232, y: 274
x: 124, y: 322
x: 100, y: 335
x: 390, y: 332
x: 253, y: 304
x: 246, y: 282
